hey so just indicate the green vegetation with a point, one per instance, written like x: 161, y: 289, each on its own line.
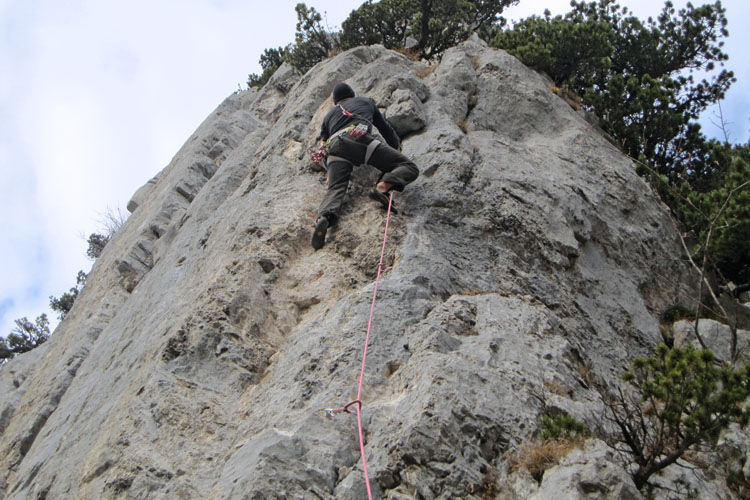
x: 432, y: 25
x: 561, y: 427
x: 270, y: 60
x: 24, y: 337
x: 426, y: 27
x: 63, y: 305
x: 557, y: 436
x: 638, y: 77
x: 27, y: 335
x: 312, y: 44
x: 96, y: 242
x: 718, y: 214
x: 683, y: 401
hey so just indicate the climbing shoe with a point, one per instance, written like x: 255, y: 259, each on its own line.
x: 319, y: 235
x: 382, y: 198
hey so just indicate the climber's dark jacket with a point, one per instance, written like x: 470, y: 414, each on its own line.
x: 346, y: 151
x: 363, y: 110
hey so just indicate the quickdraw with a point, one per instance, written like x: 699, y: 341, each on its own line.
x: 358, y: 131
x: 321, y: 154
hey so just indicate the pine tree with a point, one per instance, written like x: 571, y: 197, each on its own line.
x: 24, y: 337
x: 637, y: 77
x: 683, y: 401
x: 64, y: 304
x: 434, y: 25
x: 312, y: 42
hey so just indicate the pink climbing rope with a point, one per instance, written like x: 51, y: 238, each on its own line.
x: 358, y: 401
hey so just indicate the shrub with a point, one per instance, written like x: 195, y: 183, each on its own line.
x: 270, y: 61
x: 558, y: 435
x: 64, y: 304
x: 561, y: 427
x: 24, y: 337
x: 96, y: 242
x: 538, y: 456
x: 683, y: 400
x: 110, y: 222
x: 635, y: 75
x: 432, y: 25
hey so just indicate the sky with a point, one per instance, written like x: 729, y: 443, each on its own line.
x: 97, y: 96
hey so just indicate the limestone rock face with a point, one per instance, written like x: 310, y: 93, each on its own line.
x: 406, y: 114
x: 716, y: 336
x: 198, y: 359
x: 588, y: 474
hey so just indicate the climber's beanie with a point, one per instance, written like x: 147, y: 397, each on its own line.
x: 342, y: 91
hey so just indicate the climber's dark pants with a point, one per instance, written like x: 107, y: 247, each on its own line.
x: 345, y: 152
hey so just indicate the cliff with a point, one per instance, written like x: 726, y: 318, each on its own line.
x: 210, y: 337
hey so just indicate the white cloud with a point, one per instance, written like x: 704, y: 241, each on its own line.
x: 100, y: 98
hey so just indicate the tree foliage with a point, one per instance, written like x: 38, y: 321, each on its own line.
x: 639, y: 79
x: 24, y: 337
x: 428, y: 27
x: 719, y: 214
x: 96, y: 243
x: 64, y: 304
x: 270, y: 60
x: 683, y: 401
x: 27, y: 335
x: 388, y: 22
x: 110, y: 222
x: 434, y: 25
x: 572, y: 53
x: 636, y: 76
x: 561, y: 426
x: 312, y: 42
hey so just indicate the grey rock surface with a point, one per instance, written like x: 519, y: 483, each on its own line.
x: 588, y: 474
x: 209, y: 338
x: 716, y: 336
x: 406, y: 114
x: 738, y: 310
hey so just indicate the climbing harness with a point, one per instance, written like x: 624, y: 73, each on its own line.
x: 358, y: 401
x: 355, y: 131
x: 324, y: 156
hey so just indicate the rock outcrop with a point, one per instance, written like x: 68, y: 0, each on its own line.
x: 209, y: 338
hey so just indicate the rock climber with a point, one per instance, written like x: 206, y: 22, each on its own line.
x: 347, y: 130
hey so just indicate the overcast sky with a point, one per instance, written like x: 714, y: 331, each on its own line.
x: 96, y: 96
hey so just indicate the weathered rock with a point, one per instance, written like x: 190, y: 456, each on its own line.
x: 141, y: 195
x: 716, y: 336
x: 198, y: 359
x: 588, y: 474
x: 734, y: 446
x: 406, y: 114
x: 737, y: 309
